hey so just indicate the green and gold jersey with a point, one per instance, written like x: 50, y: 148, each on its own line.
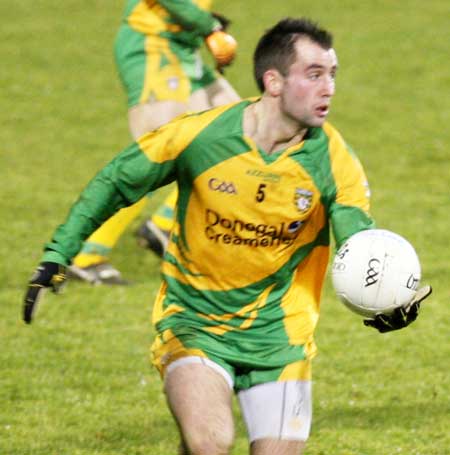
x: 187, y: 21
x: 250, y: 247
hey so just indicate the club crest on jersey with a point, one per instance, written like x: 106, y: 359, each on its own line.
x: 303, y: 199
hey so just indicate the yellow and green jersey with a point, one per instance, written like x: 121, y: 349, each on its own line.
x: 187, y: 21
x: 245, y: 265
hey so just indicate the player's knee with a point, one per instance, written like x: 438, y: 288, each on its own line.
x: 209, y: 443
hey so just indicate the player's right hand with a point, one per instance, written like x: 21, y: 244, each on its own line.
x: 47, y: 275
x: 401, y: 317
x: 222, y: 47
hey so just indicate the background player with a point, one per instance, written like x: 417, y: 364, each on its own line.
x: 273, y: 179
x: 157, y: 56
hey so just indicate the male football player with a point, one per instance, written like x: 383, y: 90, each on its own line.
x: 262, y: 182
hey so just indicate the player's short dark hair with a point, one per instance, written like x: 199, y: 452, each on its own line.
x: 275, y: 49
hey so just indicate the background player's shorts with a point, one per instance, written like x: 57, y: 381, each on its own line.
x: 154, y: 68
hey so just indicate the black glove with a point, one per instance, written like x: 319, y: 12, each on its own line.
x: 47, y: 275
x: 402, y: 316
x: 224, y: 21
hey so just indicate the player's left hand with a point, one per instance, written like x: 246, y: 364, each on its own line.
x: 402, y: 316
x: 47, y: 275
x: 222, y: 47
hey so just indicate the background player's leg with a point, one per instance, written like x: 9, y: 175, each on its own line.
x: 146, y: 117
x: 154, y: 233
x: 91, y: 264
x: 218, y: 93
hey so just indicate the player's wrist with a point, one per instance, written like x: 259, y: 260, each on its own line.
x: 54, y: 256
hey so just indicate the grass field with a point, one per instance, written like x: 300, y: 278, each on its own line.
x: 78, y: 381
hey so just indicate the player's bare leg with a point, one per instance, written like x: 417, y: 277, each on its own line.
x: 278, y: 447
x: 200, y: 400
x: 146, y: 117
x: 218, y: 93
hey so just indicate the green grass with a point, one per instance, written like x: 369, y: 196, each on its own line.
x: 78, y: 381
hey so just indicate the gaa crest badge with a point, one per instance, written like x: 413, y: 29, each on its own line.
x: 303, y: 199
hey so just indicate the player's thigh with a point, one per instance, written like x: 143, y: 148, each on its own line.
x: 200, y: 398
x: 150, y: 115
x: 276, y: 413
x: 217, y: 93
x: 221, y: 92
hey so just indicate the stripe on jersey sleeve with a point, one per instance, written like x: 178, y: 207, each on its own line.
x: 350, y: 205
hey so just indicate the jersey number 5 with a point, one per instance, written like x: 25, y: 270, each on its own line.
x: 260, y: 194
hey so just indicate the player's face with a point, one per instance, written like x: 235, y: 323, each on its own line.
x: 309, y: 84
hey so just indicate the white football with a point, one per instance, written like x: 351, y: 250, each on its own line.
x: 376, y: 271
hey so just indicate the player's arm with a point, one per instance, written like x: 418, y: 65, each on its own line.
x: 122, y: 182
x: 142, y: 167
x: 211, y: 26
x: 349, y: 212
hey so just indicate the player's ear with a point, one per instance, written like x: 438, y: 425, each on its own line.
x: 273, y: 82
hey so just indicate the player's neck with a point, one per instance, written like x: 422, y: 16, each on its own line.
x: 269, y: 128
